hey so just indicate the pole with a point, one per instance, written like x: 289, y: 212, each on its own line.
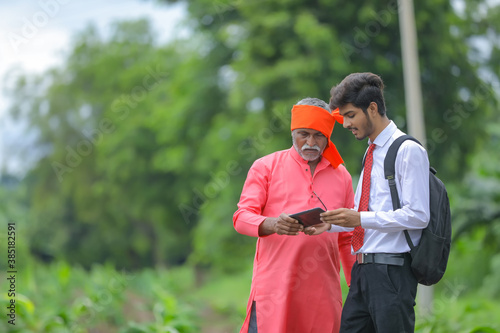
x: 414, y: 110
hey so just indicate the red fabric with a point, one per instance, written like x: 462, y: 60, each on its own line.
x: 316, y: 118
x: 337, y: 116
x: 359, y: 233
x: 296, y: 282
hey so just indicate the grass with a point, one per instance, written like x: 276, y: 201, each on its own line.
x: 61, y: 298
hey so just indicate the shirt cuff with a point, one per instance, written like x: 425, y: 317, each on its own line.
x: 368, y: 220
x: 336, y: 228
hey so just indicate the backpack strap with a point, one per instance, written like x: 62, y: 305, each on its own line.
x: 390, y: 175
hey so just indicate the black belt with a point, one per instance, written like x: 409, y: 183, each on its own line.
x: 397, y: 259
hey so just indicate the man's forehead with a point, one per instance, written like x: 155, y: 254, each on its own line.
x: 343, y: 110
x: 308, y: 130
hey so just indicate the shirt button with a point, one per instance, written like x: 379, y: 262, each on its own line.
x: 307, y: 169
x: 312, y: 196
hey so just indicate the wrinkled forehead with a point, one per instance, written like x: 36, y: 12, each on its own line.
x: 308, y: 131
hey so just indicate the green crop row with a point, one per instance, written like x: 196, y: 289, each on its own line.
x: 60, y: 298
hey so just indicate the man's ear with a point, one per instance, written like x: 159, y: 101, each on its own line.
x: 373, y: 109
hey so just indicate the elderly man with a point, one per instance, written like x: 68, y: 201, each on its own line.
x: 296, y: 280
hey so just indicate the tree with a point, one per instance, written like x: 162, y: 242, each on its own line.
x: 145, y: 147
x: 283, y: 51
x: 119, y: 130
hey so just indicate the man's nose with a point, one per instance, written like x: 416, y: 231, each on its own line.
x: 346, y: 123
x: 311, y: 141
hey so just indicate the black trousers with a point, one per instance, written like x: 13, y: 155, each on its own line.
x: 381, y: 299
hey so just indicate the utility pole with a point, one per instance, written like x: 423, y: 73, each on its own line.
x: 414, y: 109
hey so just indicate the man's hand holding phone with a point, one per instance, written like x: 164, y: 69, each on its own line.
x: 281, y: 225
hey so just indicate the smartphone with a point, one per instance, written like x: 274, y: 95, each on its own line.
x: 308, y: 217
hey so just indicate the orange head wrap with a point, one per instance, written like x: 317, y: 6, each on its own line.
x: 337, y: 116
x: 319, y: 119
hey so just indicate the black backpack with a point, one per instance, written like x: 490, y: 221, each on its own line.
x: 430, y: 257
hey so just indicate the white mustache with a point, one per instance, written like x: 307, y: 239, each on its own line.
x: 306, y: 146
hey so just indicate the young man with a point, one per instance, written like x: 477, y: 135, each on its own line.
x: 383, y: 289
x: 296, y: 280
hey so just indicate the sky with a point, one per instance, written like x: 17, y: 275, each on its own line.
x: 36, y: 34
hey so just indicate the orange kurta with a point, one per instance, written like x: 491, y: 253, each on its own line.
x: 296, y: 281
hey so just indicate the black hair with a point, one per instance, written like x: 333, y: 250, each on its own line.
x: 359, y: 89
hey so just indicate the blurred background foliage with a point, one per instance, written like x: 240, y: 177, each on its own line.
x: 142, y: 150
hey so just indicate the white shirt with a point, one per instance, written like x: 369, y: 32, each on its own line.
x: 383, y: 226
